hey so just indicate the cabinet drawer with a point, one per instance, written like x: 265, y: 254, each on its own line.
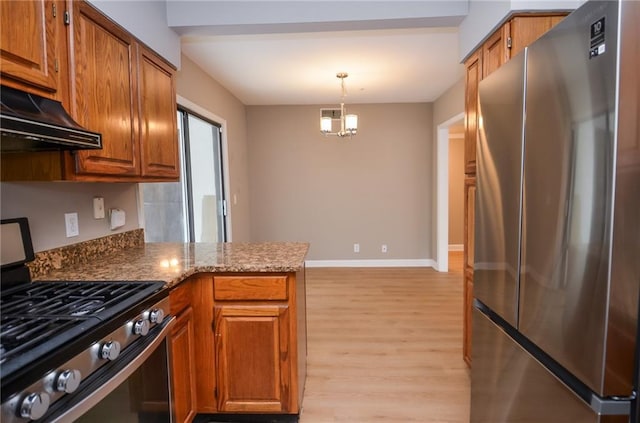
x: 180, y: 298
x: 250, y: 288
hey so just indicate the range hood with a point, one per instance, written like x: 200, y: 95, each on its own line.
x: 29, y: 122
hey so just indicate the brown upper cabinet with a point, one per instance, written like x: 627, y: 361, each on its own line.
x: 508, y: 40
x: 524, y: 30
x: 114, y: 84
x: 158, y: 127
x: 103, y: 92
x: 495, y: 51
x: 31, y: 46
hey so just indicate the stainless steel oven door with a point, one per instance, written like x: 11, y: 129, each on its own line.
x: 137, y: 392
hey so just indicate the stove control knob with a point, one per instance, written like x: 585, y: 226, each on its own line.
x: 68, y: 381
x: 156, y: 316
x: 110, y: 350
x: 34, y: 406
x: 141, y: 327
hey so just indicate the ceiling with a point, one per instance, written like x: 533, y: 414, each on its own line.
x: 407, y: 59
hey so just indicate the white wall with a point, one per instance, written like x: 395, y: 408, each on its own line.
x: 45, y: 203
x: 243, y: 17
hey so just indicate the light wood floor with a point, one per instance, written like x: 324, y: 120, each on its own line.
x: 385, y: 345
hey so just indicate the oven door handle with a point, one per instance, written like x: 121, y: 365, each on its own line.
x: 78, y: 409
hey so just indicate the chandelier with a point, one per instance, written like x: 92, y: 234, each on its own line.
x: 348, y: 123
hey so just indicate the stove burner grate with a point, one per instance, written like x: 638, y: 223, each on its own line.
x: 21, y: 334
x: 56, y: 312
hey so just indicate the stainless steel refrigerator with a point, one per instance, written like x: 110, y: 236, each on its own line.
x: 557, y: 230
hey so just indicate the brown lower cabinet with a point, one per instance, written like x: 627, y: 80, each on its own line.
x: 239, y: 344
x: 183, y: 370
x: 252, y: 342
x: 182, y: 347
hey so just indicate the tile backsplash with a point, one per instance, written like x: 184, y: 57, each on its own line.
x: 83, y: 252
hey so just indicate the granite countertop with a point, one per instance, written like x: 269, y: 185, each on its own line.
x: 174, y: 262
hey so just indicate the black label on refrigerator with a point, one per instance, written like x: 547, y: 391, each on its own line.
x: 596, y: 44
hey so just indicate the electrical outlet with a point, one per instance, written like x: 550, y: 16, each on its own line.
x: 71, y: 224
x: 98, y: 208
x: 356, y: 248
x: 384, y: 248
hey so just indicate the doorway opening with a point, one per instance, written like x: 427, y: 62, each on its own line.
x: 195, y: 208
x: 451, y: 130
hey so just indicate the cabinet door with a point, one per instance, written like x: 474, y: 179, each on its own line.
x: 526, y: 29
x: 495, y: 51
x: 252, y: 350
x: 28, y: 42
x: 183, y: 367
x: 467, y: 319
x: 103, y: 93
x: 159, y: 142
x: 469, y: 217
x: 473, y: 76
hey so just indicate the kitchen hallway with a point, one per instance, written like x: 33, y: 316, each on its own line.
x: 385, y: 345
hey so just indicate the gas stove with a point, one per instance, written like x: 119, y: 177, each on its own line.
x: 63, y: 343
x: 42, y: 319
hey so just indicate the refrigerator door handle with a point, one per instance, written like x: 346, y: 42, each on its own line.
x: 611, y: 407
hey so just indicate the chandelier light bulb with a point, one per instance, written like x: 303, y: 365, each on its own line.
x: 325, y: 124
x: 351, y: 123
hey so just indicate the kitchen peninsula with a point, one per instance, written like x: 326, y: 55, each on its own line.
x: 239, y: 341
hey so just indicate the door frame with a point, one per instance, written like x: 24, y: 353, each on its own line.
x: 442, y: 192
x: 187, y: 104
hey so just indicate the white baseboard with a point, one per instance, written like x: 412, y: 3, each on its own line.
x: 456, y: 247
x: 372, y: 263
